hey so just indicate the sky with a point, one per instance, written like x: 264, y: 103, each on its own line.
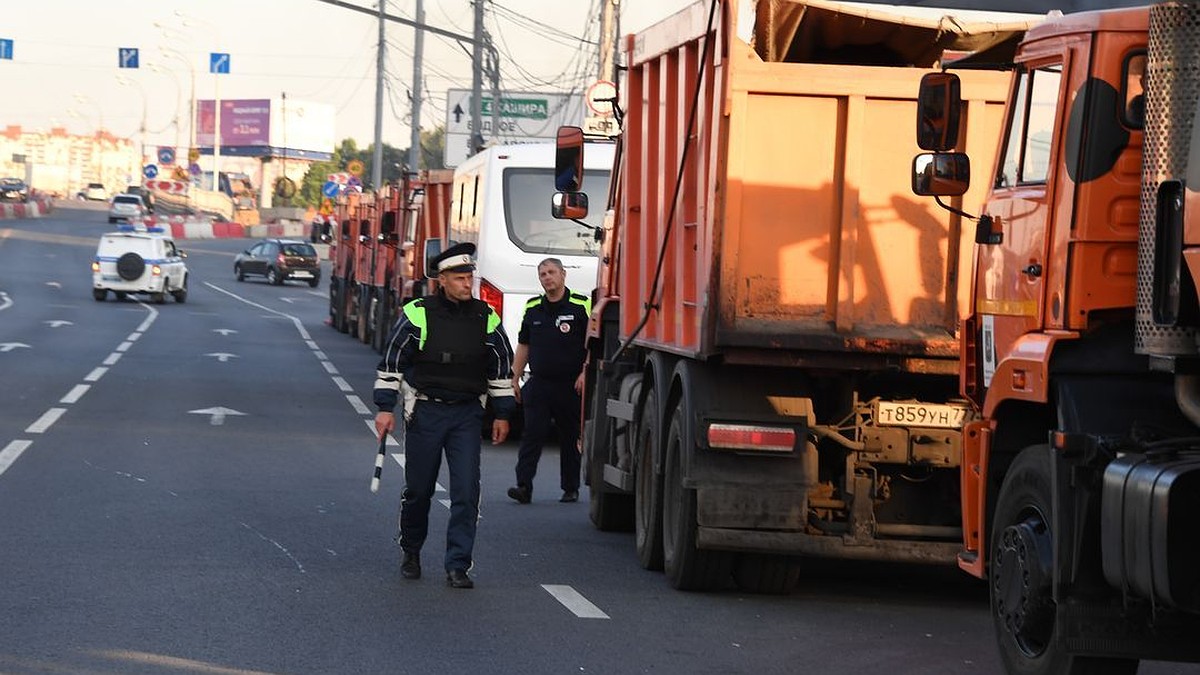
x: 64, y: 71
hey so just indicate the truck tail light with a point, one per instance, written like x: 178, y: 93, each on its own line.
x: 156, y: 270
x: 492, y: 296
x: 95, y: 266
x: 751, y: 437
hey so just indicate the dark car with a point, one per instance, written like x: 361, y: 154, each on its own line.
x: 279, y: 260
x: 14, y: 188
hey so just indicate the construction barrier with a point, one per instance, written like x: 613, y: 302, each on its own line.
x: 34, y: 208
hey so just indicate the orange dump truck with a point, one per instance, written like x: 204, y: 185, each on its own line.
x: 774, y: 356
x: 379, y: 247
x: 1081, y: 480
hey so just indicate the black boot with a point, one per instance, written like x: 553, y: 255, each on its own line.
x: 410, y: 565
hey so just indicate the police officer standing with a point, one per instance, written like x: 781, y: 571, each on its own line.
x: 448, y: 350
x: 551, y: 341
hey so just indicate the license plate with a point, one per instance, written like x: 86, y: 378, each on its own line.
x: 935, y: 415
x: 302, y: 274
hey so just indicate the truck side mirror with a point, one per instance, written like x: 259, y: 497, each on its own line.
x: 569, y: 205
x: 939, y: 108
x: 568, y: 160
x: 941, y: 175
x: 433, y: 247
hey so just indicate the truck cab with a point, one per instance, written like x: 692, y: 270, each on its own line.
x: 1083, y: 474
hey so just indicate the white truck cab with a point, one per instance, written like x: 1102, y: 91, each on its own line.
x: 139, y: 260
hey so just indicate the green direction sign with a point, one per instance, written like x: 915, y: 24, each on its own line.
x: 526, y: 108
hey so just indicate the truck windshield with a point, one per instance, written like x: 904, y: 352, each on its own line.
x: 527, y: 212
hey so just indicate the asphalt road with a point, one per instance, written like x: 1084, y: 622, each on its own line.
x: 184, y: 489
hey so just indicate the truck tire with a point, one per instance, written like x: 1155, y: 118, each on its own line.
x: 688, y: 567
x: 1021, y: 575
x: 99, y: 294
x: 609, y: 509
x: 766, y: 573
x: 647, y: 501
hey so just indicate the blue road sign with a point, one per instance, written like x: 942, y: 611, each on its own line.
x: 194, y: 169
x: 166, y: 156
x: 127, y: 57
x: 150, y: 171
x: 330, y: 189
x: 6, y: 47
x: 218, y: 63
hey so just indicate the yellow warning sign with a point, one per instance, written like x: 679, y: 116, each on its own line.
x: 326, y: 207
x: 355, y: 167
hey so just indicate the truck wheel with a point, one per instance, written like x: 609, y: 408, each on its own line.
x: 766, y: 573
x: 158, y: 298
x: 688, y: 567
x: 647, y: 502
x: 609, y: 509
x: 99, y: 294
x: 1021, y: 576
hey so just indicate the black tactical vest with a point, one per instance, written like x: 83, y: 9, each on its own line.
x: 453, y: 359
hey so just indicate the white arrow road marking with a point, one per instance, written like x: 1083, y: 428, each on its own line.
x: 9, y: 346
x: 11, y: 452
x: 224, y: 331
x: 572, y: 600
x: 222, y: 357
x: 218, y: 414
x: 53, y: 284
x: 58, y: 323
x: 45, y: 421
x: 5, y: 303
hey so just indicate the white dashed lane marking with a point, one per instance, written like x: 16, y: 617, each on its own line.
x: 576, y: 603
x: 76, y: 393
x: 11, y: 452
x: 45, y: 421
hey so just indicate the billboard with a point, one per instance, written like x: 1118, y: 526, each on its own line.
x: 243, y: 122
x: 274, y: 126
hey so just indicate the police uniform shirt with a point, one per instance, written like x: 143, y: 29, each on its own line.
x: 555, y: 333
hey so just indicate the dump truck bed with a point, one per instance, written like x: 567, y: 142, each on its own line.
x: 795, y: 229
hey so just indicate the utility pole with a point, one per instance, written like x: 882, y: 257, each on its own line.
x: 493, y: 70
x: 610, y: 21
x: 477, y: 83
x: 414, y: 148
x: 377, y: 157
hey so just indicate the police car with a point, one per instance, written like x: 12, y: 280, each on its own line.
x: 139, y: 260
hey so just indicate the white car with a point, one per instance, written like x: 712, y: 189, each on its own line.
x: 126, y: 207
x: 139, y: 260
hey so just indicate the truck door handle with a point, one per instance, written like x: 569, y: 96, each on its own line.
x: 1034, y: 270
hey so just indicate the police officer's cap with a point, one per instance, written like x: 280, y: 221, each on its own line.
x: 457, y: 258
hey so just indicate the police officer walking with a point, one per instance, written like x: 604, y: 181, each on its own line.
x: 446, y: 352
x: 551, y: 341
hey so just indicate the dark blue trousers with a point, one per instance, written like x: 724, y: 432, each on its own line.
x: 455, y: 428
x: 543, y: 400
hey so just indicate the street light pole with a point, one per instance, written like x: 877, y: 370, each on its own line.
x: 142, y: 129
x: 159, y: 69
